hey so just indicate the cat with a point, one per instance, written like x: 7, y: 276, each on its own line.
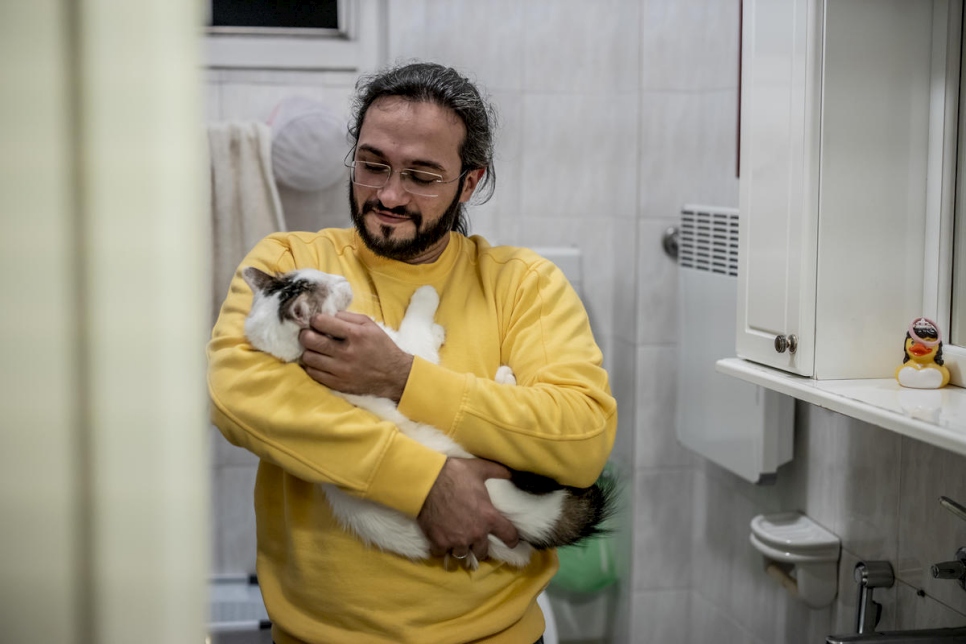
x: 545, y: 513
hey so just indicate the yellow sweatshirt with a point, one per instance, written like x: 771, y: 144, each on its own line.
x: 499, y: 305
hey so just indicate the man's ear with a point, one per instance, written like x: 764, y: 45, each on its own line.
x: 473, y: 178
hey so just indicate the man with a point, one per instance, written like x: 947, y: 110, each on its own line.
x: 422, y: 147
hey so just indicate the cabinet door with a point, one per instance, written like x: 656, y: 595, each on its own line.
x: 780, y: 98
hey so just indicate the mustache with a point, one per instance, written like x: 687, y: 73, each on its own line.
x: 375, y: 204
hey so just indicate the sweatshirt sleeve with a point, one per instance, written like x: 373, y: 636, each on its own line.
x: 560, y: 420
x: 276, y: 411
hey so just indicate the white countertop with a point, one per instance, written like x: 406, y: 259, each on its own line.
x: 934, y: 416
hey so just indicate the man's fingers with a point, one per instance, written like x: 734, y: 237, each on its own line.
x: 491, y: 469
x: 353, y: 318
x: 481, y: 549
x: 506, y: 532
x: 330, y: 325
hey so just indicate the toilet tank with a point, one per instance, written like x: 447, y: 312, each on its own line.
x: 568, y: 259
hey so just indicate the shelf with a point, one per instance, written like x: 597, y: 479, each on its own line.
x: 934, y: 416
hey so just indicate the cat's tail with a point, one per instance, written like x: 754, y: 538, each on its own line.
x: 550, y: 515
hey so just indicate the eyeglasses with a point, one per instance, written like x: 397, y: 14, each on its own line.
x: 416, y: 182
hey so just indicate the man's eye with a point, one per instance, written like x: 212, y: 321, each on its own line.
x: 375, y: 168
x: 423, y: 178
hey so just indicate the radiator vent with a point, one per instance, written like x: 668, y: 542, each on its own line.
x: 708, y: 240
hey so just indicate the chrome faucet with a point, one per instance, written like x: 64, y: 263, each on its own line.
x: 870, y: 575
x: 955, y: 569
x: 878, y: 574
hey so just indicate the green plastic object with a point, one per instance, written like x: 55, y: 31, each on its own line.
x: 586, y: 568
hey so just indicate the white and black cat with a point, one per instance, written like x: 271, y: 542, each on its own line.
x: 546, y: 514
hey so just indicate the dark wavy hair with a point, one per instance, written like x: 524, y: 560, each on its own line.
x: 443, y: 86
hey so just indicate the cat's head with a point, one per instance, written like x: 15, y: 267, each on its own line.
x: 300, y: 294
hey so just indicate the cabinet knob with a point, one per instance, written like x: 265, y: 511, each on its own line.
x: 786, y: 343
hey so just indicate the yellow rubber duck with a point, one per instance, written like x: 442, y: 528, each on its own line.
x: 922, y: 367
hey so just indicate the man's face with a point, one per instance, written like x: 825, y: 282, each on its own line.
x: 423, y: 136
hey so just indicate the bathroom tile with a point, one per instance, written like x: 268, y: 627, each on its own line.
x: 579, y: 155
x: 689, y: 145
x: 797, y: 623
x: 657, y: 286
x: 656, y: 443
x: 625, y: 260
x: 224, y: 453
x: 255, y: 101
x: 504, y: 203
x: 824, y: 498
x: 709, y: 623
x: 485, y: 41
x: 689, y: 45
x: 712, y: 545
x: 621, y: 626
x: 767, y: 499
x: 915, y: 611
x: 407, y: 29
x: 234, y: 519
x: 754, y: 597
x: 660, y: 616
x: 928, y: 533
x: 852, y: 484
x: 866, y: 462
x: 484, y: 222
x: 593, y: 235
x: 791, y: 485
x: 573, y: 46
x: 662, y: 529
x: 622, y: 372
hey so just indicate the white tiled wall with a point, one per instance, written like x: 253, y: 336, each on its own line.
x: 613, y: 115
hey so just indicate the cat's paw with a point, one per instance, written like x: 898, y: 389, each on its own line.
x: 438, y: 335
x: 504, y: 376
x: 425, y: 299
x: 518, y: 557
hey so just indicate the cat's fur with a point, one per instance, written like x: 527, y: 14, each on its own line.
x: 545, y: 513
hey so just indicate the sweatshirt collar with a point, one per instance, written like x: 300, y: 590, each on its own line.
x: 414, y: 273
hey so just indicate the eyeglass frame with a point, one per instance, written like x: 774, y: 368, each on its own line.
x: 402, y: 173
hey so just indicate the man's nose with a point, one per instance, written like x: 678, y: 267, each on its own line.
x: 393, y: 193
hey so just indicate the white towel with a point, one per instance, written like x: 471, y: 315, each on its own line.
x: 245, y: 206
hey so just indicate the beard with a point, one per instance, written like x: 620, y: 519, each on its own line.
x: 384, y: 245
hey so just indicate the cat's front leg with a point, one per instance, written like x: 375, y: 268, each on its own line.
x: 418, y: 333
x: 504, y: 376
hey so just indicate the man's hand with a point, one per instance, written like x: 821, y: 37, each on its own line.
x: 457, y: 516
x: 348, y: 352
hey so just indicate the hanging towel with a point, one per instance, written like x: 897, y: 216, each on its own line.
x: 245, y: 206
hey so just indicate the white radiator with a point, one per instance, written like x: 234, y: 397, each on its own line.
x: 742, y: 427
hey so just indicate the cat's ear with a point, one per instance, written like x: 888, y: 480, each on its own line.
x: 301, y: 311
x: 258, y: 280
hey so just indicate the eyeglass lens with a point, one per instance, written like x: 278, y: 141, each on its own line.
x: 376, y: 175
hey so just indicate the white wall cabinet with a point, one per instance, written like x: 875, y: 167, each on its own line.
x: 842, y: 147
